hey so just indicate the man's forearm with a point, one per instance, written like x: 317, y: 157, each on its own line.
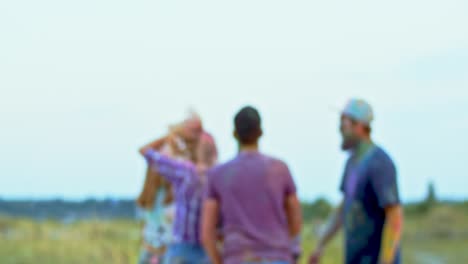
x: 391, y: 234
x: 333, y: 225
x: 294, y: 215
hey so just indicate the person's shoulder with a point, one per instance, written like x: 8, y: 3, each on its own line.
x: 381, y: 156
x: 275, y: 162
x: 381, y: 153
x: 219, y: 169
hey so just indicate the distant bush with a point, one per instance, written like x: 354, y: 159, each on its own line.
x: 319, y: 209
x: 68, y: 210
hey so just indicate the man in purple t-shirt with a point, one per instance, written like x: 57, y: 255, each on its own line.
x: 254, y: 198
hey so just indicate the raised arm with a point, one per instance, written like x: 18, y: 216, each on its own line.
x: 172, y: 170
x: 155, y: 145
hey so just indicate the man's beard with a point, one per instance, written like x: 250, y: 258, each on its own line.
x: 349, y: 143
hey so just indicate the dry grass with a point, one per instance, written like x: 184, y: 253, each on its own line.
x: 441, y: 236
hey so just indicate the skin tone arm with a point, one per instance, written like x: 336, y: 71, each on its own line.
x: 332, y: 227
x: 391, y: 233
x: 294, y: 215
x: 208, y: 230
x: 157, y: 144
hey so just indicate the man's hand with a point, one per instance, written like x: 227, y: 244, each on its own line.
x: 316, y: 256
x: 330, y: 229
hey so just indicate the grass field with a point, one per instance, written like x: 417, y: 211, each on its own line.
x: 440, y: 236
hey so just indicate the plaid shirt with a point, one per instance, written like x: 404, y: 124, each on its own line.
x: 189, y: 191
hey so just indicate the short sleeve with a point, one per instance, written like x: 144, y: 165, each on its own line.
x: 383, y: 178
x: 211, y: 189
x: 343, y: 180
x: 343, y: 177
x: 289, y: 186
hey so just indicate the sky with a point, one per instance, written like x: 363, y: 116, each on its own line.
x: 83, y: 84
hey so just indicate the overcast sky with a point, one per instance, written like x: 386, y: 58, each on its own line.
x: 85, y: 83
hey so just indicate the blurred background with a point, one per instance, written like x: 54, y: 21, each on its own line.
x: 85, y: 83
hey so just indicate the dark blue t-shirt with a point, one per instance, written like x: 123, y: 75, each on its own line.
x: 369, y: 185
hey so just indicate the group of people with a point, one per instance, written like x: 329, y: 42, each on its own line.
x: 246, y: 211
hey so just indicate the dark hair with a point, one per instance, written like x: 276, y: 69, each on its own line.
x: 248, y: 125
x: 368, y: 129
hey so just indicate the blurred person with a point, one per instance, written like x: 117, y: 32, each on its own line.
x: 188, y: 181
x: 156, y: 199
x: 370, y: 211
x: 254, y: 196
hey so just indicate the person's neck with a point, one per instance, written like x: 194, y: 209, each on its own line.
x: 248, y: 148
x: 362, y: 148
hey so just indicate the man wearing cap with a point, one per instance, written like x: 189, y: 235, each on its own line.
x: 370, y: 212
x: 254, y: 196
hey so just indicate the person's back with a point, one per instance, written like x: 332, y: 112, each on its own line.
x: 252, y: 190
x: 254, y: 198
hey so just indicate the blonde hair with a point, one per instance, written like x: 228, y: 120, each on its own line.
x: 154, y: 181
x: 206, y: 153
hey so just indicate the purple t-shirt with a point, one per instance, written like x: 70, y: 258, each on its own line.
x: 251, y: 191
